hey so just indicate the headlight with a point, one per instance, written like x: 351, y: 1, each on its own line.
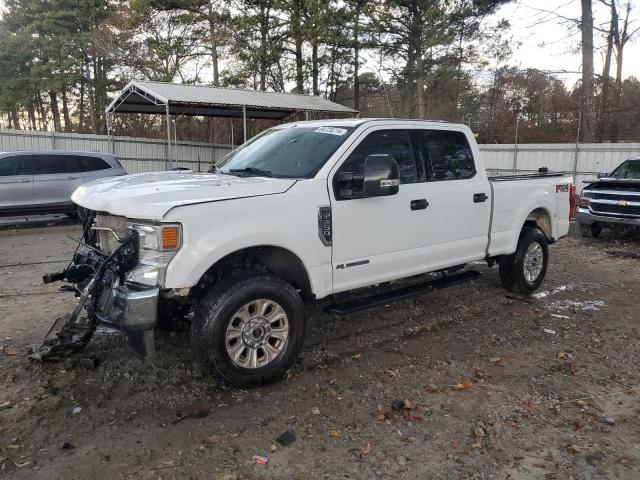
x: 158, y: 245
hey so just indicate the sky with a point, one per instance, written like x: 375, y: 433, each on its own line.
x: 551, y: 43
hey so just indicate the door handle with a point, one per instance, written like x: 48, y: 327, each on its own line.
x: 71, y: 178
x: 479, y: 197
x: 24, y: 180
x: 421, y: 204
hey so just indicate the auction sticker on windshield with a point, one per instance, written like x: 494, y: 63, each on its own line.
x: 332, y: 131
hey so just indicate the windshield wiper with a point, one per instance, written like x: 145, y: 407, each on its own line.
x: 250, y: 171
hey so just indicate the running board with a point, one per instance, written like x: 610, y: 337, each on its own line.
x: 353, y: 306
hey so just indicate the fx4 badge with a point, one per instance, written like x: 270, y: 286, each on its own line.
x: 562, y: 188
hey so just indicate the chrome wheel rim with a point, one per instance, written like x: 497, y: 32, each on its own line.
x: 533, y: 262
x: 257, y: 333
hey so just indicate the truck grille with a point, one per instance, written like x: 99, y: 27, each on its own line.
x: 614, y: 209
x: 616, y: 197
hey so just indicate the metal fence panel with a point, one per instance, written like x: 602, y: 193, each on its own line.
x: 136, y: 154
x: 147, y: 155
x: 585, y: 159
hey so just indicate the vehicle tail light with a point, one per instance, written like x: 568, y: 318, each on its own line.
x: 572, y: 201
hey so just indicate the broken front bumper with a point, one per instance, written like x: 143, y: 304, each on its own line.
x: 586, y: 217
x: 132, y: 308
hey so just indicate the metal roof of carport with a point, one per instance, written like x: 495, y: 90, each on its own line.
x: 154, y: 97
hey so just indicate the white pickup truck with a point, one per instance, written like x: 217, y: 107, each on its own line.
x: 302, y: 213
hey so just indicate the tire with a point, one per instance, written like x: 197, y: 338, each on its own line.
x: 524, y: 270
x: 595, y: 230
x: 585, y: 229
x: 217, y: 318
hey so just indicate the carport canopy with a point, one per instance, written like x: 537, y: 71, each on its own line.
x: 171, y: 99
x: 200, y: 100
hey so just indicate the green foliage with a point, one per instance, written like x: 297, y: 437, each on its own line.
x: 61, y: 59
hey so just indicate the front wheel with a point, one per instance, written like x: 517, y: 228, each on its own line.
x: 249, y: 328
x: 524, y: 270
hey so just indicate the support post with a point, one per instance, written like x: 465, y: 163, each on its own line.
x: 306, y: 115
x: 168, y: 119
x: 110, y: 140
x: 233, y: 142
x: 515, y: 145
x: 244, y: 123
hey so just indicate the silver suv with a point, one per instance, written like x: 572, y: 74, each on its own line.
x: 39, y: 182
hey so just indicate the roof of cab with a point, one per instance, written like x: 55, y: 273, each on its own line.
x: 355, y: 122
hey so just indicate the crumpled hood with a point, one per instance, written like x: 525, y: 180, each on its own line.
x: 149, y: 196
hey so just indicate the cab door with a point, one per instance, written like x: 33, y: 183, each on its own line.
x: 16, y: 182
x: 380, y: 238
x: 459, y: 198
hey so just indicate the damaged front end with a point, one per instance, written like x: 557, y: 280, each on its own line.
x: 115, y: 278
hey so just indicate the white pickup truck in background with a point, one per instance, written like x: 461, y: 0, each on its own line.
x: 305, y: 212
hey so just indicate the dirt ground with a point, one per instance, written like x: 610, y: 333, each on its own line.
x: 469, y: 382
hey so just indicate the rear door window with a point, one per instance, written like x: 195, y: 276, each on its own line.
x: 17, y: 165
x: 446, y: 154
x: 91, y: 164
x: 52, y: 164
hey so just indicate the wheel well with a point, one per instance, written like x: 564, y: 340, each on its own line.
x: 277, y: 260
x: 541, y: 219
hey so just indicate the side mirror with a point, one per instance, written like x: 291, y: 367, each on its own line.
x: 381, y: 176
x: 603, y: 175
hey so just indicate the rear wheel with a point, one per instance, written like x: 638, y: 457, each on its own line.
x: 524, y: 270
x: 249, y: 329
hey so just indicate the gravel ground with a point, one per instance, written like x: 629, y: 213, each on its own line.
x: 469, y: 382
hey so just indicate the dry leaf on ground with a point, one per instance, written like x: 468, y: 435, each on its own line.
x: 528, y: 406
x: 463, y: 384
x: 573, y: 449
x: 479, y: 434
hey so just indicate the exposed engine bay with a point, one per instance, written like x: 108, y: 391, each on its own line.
x: 103, y: 256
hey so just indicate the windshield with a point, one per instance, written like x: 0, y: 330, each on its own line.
x: 628, y: 169
x: 295, y: 152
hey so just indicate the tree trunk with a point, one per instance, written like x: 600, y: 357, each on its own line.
x: 264, y: 36
x: 603, y: 121
x: 459, y: 70
x: 15, y: 120
x: 214, y: 45
x: 356, y: 59
x: 617, y: 99
x: 296, y: 24
x: 315, y: 70
x: 65, y: 112
x: 32, y: 116
x: 331, y: 84
x: 587, y: 72
x: 420, y: 83
x: 81, y: 106
x: 55, y: 111
x: 41, y: 111
x: 91, y: 95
